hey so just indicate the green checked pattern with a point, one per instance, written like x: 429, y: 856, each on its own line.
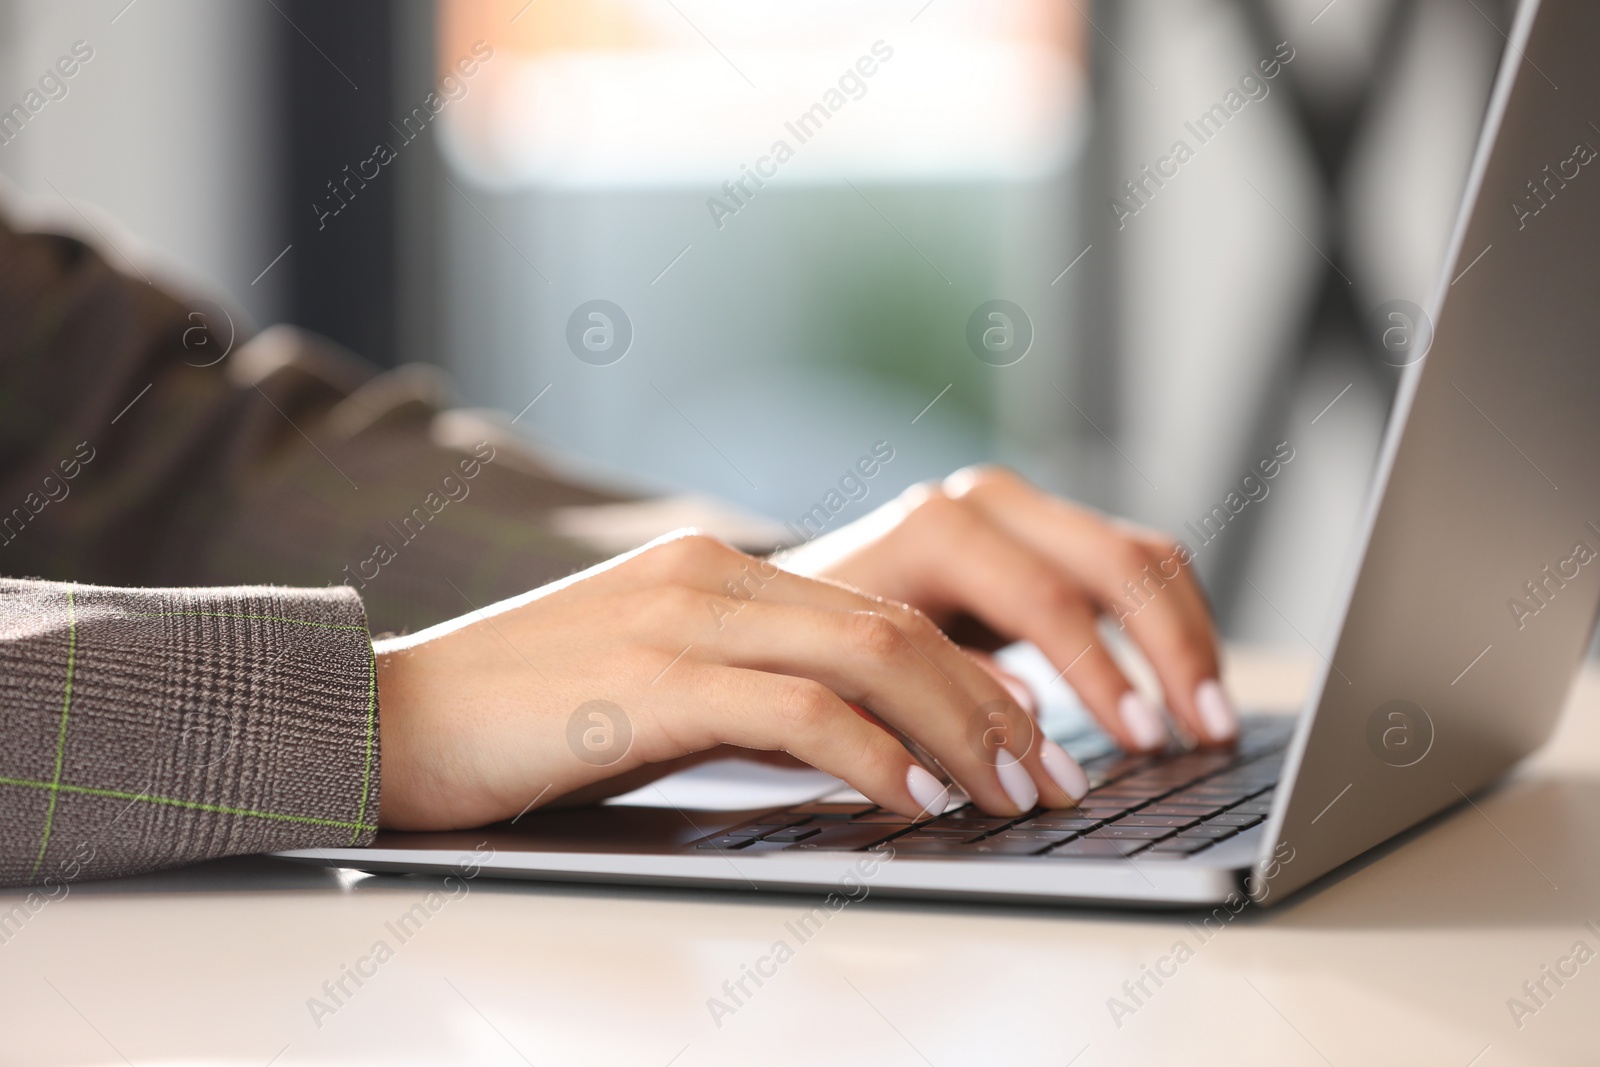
x: 192, y: 805
x: 61, y: 734
x: 345, y: 712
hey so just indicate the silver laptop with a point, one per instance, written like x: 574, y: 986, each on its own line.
x: 1463, y: 625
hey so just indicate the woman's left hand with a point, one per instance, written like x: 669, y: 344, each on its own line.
x: 992, y: 559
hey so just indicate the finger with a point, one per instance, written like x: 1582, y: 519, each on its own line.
x: 1013, y: 589
x: 802, y: 717
x: 1199, y: 650
x: 730, y: 579
x: 1172, y: 556
x: 1153, y: 594
x: 920, y: 684
x: 739, y: 588
x: 1019, y: 689
x: 1056, y: 761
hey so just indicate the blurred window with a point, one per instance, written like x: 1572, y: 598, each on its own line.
x: 656, y: 93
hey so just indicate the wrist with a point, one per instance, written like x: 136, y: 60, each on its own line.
x: 399, y: 805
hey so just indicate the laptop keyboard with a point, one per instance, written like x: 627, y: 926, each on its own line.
x: 1169, y: 807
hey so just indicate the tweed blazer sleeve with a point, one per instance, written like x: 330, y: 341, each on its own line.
x: 151, y: 727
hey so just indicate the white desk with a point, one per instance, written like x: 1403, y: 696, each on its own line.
x: 1404, y: 959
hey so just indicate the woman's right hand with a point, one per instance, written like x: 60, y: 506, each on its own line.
x: 680, y: 647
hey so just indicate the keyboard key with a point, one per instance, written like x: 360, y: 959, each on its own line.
x: 1252, y: 807
x: 1100, y: 810
x: 940, y: 833
x: 1147, y: 833
x: 1043, y: 837
x: 1176, y: 822
x: 1126, y: 796
x: 1104, y: 817
x: 1213, y: 833
x: 1231, y: 819
x: 770, y: 822
x: 824, y: 810
x: 1214, y: 800
x: 763, y: 846
x: 887, y: 818
x: 1048, y: 822
x: 1099, y: 849
x: 847, y: 838
x: 1181, y: 769
x: 998, y: 846
x: 725, y: 843
x: 1155, y: 783
x: 966, y: 811
x: 1112, y: 768
x: 978, y: 823
x: 1199, y: 811
x: 793, y: 833
x: 1232, y: 794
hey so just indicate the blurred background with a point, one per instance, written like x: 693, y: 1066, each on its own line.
x: 455, y: 181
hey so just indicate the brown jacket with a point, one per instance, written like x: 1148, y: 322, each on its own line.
x: 164, y: 722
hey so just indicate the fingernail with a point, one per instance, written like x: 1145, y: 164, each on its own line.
x: 1143, y: 724
x: 1020, y: 693
x: 1017, y: 783
x: 1064, y: 769
x: 1216, y: 712
x: 927, y: 791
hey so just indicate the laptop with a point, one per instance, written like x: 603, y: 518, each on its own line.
x: 1463, y: 626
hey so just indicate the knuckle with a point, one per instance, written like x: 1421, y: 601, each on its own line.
x: 695, y: 549
x: 981, y: 477
x: 1100, y: 683
x: 1194, y: 657
x: 1127, y: 558
x: 804, y: 705
x: 915, y: 495
x: 1163, y: 548
x: 937, y: 509
x: 1054, y: 597
x: 873, y: 758
x: 875, y: 634
x: 913, y: 621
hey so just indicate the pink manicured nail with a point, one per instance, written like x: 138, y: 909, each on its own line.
x: 1220, y: 720
x: 1064, y: 770
x: 1016, y: 781
x: 927, y: 791
x: 1143, y: 724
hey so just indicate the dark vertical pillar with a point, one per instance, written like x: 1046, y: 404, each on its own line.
x: 1098, y: 377
x: 337, y: 79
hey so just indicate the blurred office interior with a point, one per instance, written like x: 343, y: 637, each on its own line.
x: 782, y: 325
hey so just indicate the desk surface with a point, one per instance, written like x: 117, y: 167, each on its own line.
x: 1401, y: 958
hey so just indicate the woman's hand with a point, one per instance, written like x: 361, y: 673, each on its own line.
x: 675, y: 649
x: 992, y: 559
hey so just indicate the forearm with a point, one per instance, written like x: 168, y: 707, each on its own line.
x: 143, y: 442
x: 154, y: 727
